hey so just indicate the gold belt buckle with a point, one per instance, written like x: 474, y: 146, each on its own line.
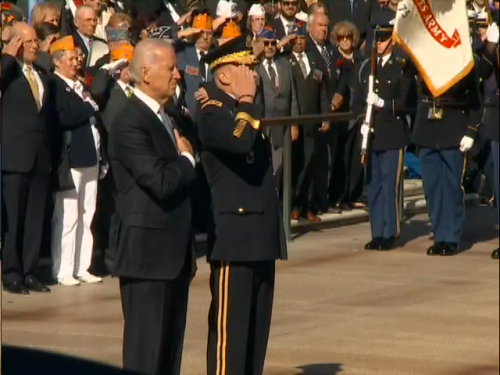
x: 435, y: 112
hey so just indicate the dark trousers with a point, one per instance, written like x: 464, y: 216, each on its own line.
x: 495, y: 149
x: 384, y: 178
x: 24, y: 198
x: 352, y: 188
x: 321, y: 173
x: 442, y: 175
x: 303, y: 165
x: 155, y: 319
x: 239, y: 317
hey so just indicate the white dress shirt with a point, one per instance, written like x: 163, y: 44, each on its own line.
x: 124, y: 86
x: 305, y: 59
x: 39, y: 82
x: 273, y: 64
x: 77, y: 87
x: 163, y: 117
x: 286, y: 24
x: 384, y: 59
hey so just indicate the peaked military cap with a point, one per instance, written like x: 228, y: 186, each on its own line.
x: 383, y: 21
x: 235, y: 51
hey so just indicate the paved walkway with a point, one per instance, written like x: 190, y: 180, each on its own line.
x: 338, y: 310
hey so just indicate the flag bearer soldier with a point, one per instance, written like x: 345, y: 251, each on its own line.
x: 392, y: 87
x: 248, y: 236
x: 488, y: 71
x: 445, y: 128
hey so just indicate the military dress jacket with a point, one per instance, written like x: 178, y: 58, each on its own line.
x: 236, y: 157
x: 488, y: 72
x: 393, y: 84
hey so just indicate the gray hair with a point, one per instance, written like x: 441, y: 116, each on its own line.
x: 82, y: 9
x: 145, y: 55
x: 58, y: 55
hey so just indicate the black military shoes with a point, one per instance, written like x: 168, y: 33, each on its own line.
x: 435, y: 249
x: 374, y: 244
x: 494, y: 254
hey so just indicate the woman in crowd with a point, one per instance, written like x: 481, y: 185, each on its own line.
x: 345, y: 37
x: 45, y: 13
x: 47, y: 34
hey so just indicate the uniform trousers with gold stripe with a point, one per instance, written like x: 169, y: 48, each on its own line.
x: 442, y: 175
x: 239, y: 317
x: 383, y: 177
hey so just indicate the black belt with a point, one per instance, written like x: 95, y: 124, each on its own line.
x: 444, y: 102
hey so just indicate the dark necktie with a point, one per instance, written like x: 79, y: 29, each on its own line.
x: 203, y: 70
x: 302, y: 64
x: 272, y: 73
x: 326, y: 58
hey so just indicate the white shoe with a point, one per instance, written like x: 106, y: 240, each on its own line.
x: 68, y: 281
x: 90, y: 279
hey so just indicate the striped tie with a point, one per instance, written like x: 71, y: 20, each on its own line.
x: 326, y: 57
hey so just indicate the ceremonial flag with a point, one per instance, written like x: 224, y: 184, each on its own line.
x: 435, y: 33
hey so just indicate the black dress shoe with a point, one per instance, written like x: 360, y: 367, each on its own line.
x: 35, y: 286
x: 373, y: 244
x: 387, y: 244
x: 450, y: 249
x: 334, y: 210
x: 494, y: 254
x: 435, y: 249
x: 15, y: 287
x: 345, y: 207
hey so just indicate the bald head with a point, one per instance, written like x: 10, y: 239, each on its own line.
x: 154, y: 69
x: 86, y: 20
x: 28, y: 52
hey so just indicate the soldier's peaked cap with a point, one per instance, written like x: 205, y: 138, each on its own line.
x: 235, y: 51
x: 383, y: 19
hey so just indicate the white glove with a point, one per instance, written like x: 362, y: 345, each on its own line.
x: 365, y: 130
x: 92, y: 103
x: 466, y: 144
x: 492, y: 34
x: 115, y: 66
x: 374, y: 99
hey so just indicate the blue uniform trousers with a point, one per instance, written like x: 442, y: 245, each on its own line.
x: 442, y: 175
x: 383, y: 177
x: 495, y: 149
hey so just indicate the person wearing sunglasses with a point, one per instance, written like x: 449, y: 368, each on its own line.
x: 390, y: 132
x: 279, y: 93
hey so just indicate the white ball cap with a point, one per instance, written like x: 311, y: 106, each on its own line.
x: 257, y: 10
x: 226, y: 9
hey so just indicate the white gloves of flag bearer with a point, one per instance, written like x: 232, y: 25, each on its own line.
x: 492, y: 34
x: 365, y: 130
x: 374, y: 99
x: 466, y: 144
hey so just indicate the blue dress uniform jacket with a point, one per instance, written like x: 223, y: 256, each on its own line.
x: 488, y: 72
x: 393, y: 84
x: 461, y: 113
x: 236, y: 157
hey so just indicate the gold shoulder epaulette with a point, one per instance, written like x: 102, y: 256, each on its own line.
x: 215, y: 103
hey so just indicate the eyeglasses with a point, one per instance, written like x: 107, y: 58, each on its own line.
x: 268, y: 43
x: 345, y: 36
x: 289, y: 3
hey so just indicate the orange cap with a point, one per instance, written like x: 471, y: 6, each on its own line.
x: 230, y: 30
x: 125, y: 51
x: 66, y: 43
x: 202, y: 22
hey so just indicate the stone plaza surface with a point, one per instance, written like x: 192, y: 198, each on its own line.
x: 338, y: 309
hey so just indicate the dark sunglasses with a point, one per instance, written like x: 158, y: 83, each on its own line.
x: 289, y: 3
x: 345, y: 36
x: 268, y: 43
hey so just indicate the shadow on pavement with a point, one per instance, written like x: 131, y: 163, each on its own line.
x: 321, y: 369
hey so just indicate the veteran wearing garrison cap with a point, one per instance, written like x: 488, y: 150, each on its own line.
x: 78, y: 162
x: 248, y: 236
x: 25, y: 119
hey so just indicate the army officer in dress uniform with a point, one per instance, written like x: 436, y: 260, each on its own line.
x: 488, y: 71
x: 445, y: 129
x: 248, y: 235
x: 392, y: 87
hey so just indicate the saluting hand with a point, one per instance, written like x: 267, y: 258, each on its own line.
x: 12, y: 48
x: 243, y: 86
x: 183, y: 144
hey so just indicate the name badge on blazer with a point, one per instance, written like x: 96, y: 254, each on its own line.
x: 191, y: 70
x: 317, y: 75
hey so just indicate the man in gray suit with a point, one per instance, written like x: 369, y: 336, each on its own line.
x: 280, y: 97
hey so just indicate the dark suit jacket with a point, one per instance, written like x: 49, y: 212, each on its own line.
x: 66, y: 22
x: 340, y: 10
x: 153, y: 235
x: 311, y: 91
x: 80, y: 43
x: 72, y: 117
x: 109, y: 96
x: 189, y: 64
x: 25, y: 130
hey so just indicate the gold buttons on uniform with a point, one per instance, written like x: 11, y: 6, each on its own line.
x: 241, y: 210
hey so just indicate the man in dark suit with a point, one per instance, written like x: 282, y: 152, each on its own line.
x: 280, y: 96
x: 111, y: 88
x: 322, y: 54
x: 25, y: 119
x: 312, y: 98
x: 153, y: 167
x: 249, y: 235
x: 93, y: 48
